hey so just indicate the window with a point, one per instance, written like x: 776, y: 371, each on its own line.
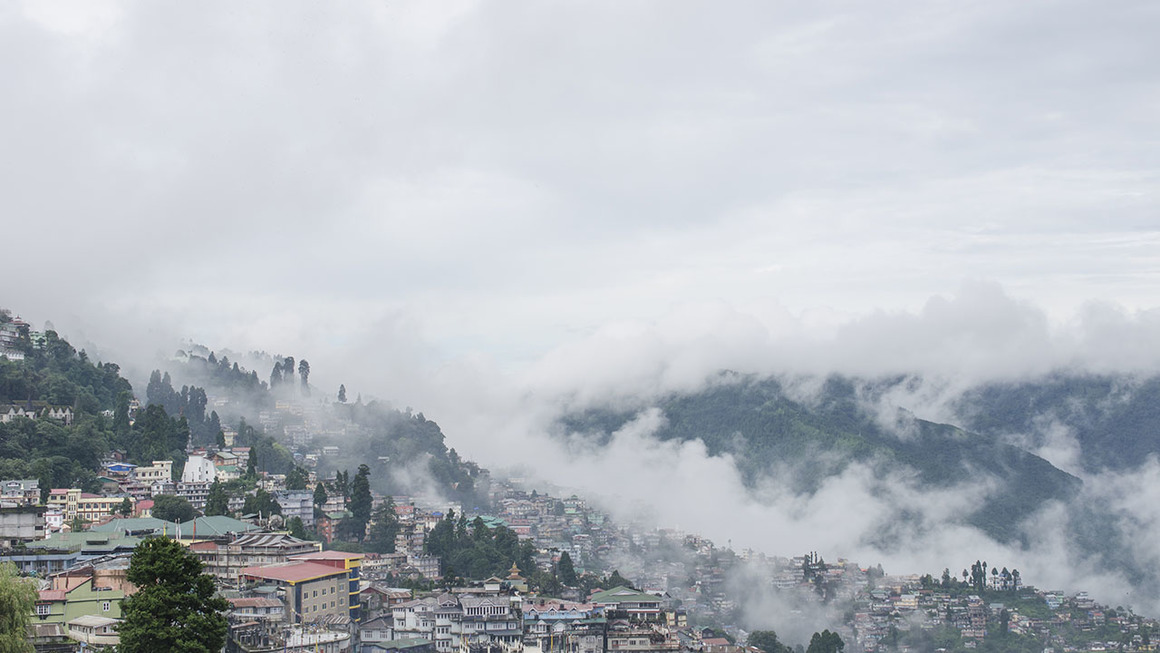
x: 43, y: 609
x: 105, y: 605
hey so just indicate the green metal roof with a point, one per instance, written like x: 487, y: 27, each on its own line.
x: 623, y: 594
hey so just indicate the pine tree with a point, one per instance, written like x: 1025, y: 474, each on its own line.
x: 175, y: 607
x: 360, y: 500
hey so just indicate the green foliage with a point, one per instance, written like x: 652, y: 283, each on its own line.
x: 763, y: 427
x: 360, y: 500
x: 826, y: 642
x: 478, y: 552
x: 616, y: 580
x: 320, y: 496
x: 384, y: 527
x: 218, y: 500
x: 175, y: 607
x: 59, y: 375
x: 168, y: 507
x: 565, y: 571
x: 767, y: 641
x: 296, y: 528
x: 126, y: 507
x: 297, y: 478
x: 402, y: 440
x: 17, y: 600
x: 262, y: 502
x: 156, y: 436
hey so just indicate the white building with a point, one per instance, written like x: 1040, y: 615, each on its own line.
x: 199, y: 469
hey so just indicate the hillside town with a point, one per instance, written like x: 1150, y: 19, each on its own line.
x: 309, y: 559
x: 644, y: 589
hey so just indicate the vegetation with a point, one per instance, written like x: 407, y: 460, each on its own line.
x: 767, y: 429
x: 17, y: 600
x: 175, y: 607
x: 767, y: 641
x: 476, y: 551
x: 167, y: 507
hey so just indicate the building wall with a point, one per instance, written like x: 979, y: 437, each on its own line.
x: 317, y: 598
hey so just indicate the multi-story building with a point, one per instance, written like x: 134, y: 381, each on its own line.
x: 90, y: 507
x: 349, y: 563
x: 226, y: 561
x: 310, y: 591
x: 489, y: 622
x: 297, y: 503
x: 22, y: 492
x: 160, y: 470
x: 21, y: 524
x: 199, y: 469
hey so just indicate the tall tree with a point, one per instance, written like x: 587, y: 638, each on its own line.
x: 17, y: 600
x: 320, y: 495
x: 175, y: 607
x: 304, y: 376
x: 341, y: 484
x: 767, y: 641
x: 218, y: 502
x: 826, y: 642
x: 342, y: 393
x: 360, y: 499
x: 565, y: 570
x: 297, y: 478
x: 384, y: 527
x: 252, y: 463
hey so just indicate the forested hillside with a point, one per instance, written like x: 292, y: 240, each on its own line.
x: 1114, y: 418
x: 809, y: 439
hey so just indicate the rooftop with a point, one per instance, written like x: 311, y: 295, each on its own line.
x: 293, y: 572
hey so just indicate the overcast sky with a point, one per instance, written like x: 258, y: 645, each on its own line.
x: 480, y: 209
x: 502, y: 179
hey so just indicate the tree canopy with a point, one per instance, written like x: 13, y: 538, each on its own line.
x: 17, y: 600
x: 175, y: 607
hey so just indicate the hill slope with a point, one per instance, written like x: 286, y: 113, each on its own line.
x: 768, y: 428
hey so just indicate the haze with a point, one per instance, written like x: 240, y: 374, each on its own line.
x: 489, y: 210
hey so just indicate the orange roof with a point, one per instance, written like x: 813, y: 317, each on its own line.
x: 52, y: 595
x: 293, y: 572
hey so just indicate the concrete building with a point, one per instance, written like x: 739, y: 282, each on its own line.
x: 310, y: 591
x: 199, y: 469
x: 21, y: 524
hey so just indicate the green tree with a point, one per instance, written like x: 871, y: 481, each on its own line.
x: 767, y: 641
x: 297, y: 478
x: 218, y: 501
x: 126, y: 507
x: 296, y: 528
x: 304, y: 376
x: 360, y: 499
x: 320, y: 495
x: 566, y: 572
x: 616, y: 580
x: 17, y: 600
x: 175, y: 607
x: 826, y: 642
x: 252, y: 463
x: 384, y: 528
x: 168, y: 507
x: 341, y: 393
x: 261, y: 502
